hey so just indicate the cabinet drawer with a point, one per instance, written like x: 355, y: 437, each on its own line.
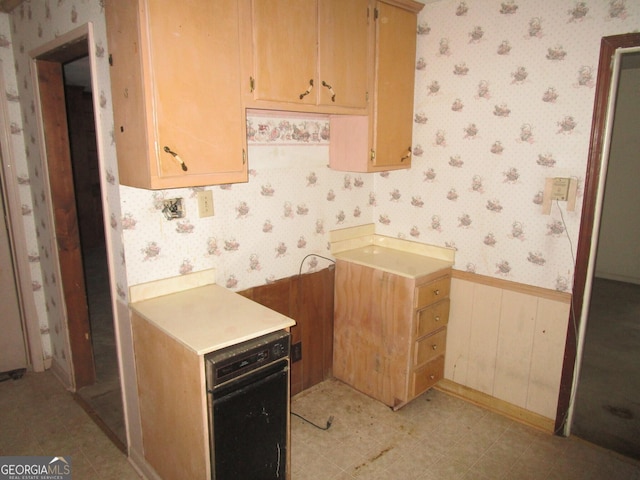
x: 433, y: 292
x: 432, y: 318
x: 430, y: 347
x: 427, y: 376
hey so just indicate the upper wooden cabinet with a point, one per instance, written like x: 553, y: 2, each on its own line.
x: 383, y: 140
x: 175, y: 82
x: 307, y: 55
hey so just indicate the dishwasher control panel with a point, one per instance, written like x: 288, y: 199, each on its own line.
x: 236, y: 360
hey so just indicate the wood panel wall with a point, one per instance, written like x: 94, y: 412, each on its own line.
x: 308, y: 299
x: 506, y: 341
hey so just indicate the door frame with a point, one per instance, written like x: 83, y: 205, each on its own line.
x: 605, y: 96
x: 18, y: 240
x: 46, y: 68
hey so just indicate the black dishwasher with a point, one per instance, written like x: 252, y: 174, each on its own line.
x: 248, y: 401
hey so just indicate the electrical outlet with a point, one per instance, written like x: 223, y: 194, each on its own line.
x: 296, y: 352
x: 205, y: 203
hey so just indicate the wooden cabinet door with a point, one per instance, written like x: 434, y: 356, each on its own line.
x: 394, y: 85
x: 382, y: 141
x: 196, y: 77
x: 343, y: 46
x: 176, y: 84
x: 284, y: 50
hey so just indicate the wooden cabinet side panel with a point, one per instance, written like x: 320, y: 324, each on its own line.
x: 397, y: 336
x: 129, y: 92
x: 343, y: 46
x: 284, y: 50
x: 353, y: 343
x: 394, y: 84
x: 372, y: 331
x: 349, y: 146
x: 172, y: 398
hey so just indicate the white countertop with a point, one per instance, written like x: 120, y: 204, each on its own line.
x: 361, y: 245
x: 398, y: 262
x: 210, y: 317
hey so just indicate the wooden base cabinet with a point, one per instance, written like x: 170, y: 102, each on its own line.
x: 389, y: 331
x: 173, y: 404
x: 175, y: 84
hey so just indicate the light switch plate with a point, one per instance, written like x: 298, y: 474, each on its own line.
x: 205, y: 203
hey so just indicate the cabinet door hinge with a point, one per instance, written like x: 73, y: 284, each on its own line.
x: 376, y: 13
x: 252, y: 84
x: 373, y: 155
x: 110, y: 60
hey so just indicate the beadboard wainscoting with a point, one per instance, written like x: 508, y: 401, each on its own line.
x: 505, y: 346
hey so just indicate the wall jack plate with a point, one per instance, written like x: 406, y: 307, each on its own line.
x: 560, y: 189
x: 173, y: 208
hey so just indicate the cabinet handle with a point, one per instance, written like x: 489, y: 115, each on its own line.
x: 308, y: 90
x: 177, y: 157
x: 436, y: 292
x: 408, y: 155
x: 431, y: 377
x: 435, y: 347
x: 437, y: 318
x: 244, y: 156
x: 333, y: 94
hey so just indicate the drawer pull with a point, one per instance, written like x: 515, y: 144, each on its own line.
x: 437, y: 318
x: 176, y: 157
x: 432, y: 376
x: 333, y: 94
x: 435, y: 347
x: 436, y: 291
x: 308, y: 90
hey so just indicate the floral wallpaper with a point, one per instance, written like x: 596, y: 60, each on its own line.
x: 261, y: 230
x: 503, y: 99
x: 30, y: 26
